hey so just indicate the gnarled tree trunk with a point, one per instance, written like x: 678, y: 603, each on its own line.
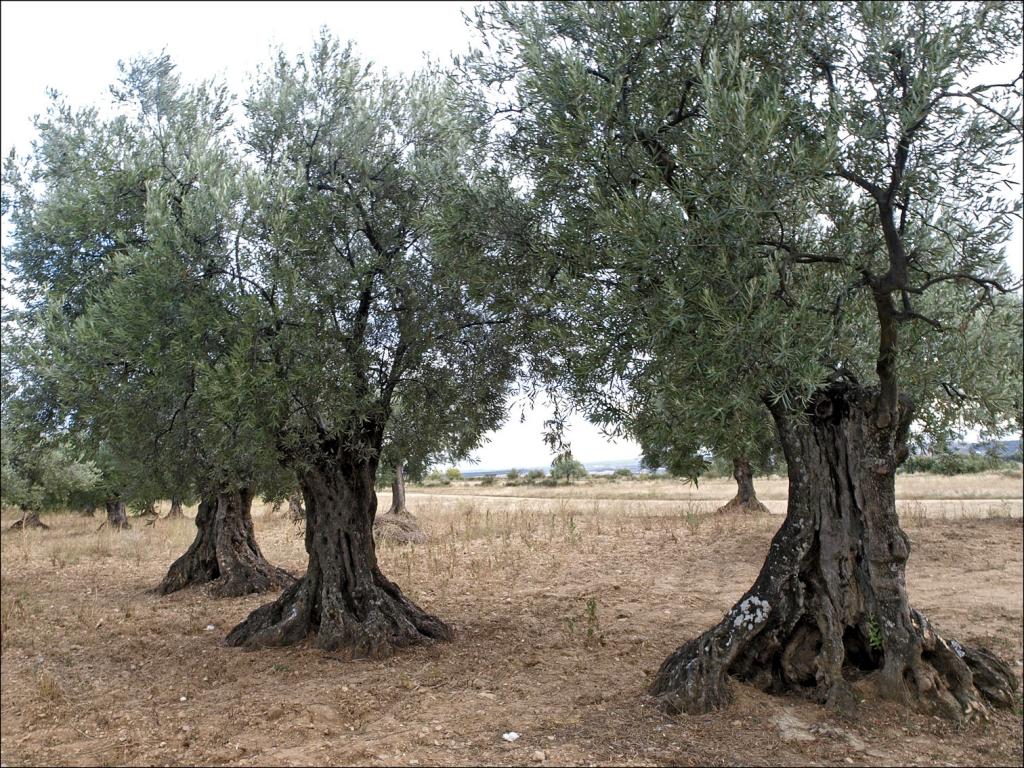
x: 149, y: 514
x: 29, y: 519
x: 398, y: 523
x: 829, y: 610
x: 344, y: 601
x: 745, y: 500
x: 117, y: 517
x: 296, y: 512
x: 398, y: 492
x: 175, y: 512
x: 225, y: 551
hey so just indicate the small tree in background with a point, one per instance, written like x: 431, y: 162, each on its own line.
x: 41, y: 468
x: 565, y: 467
x: 41, y: 478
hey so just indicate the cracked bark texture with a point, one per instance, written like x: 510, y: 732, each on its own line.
x: 829, y: 609
x: 117, y: 516
x: 224, y: 552
x: 28, y: 519
x: 176, y: 512
x: 344, y: 604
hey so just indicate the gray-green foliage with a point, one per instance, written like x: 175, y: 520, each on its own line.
x: 697, y: 166
x: 375, y: 261
x: 41, y: 477
x: 120, y: 233
x: 565, y: 467
x: 949, y: 463
x: 919, y: 133
x: 338, y: 270
x: 41, y: 468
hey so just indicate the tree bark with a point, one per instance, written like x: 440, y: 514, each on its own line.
x: 344, y: 601
x: 149, y: 513
x: 398, y: 491
x: 175, y: 513
x: 117, y: 518
x: 398, y: 524
x: 28, y: 519
x: 745, y: 500
x: 225, y: 551
x: 296, y: 512
x: 828, y: 615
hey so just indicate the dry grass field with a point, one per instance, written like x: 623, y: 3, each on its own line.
x: 565, y: 600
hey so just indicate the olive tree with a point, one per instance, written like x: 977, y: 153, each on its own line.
x: 786, y: 214
x: 120, y: 219
x: 42, y: 468
x: 377, y: 253
x: 565, y: 467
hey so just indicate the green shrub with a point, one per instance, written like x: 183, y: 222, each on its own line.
x: 534, y: 474
x: 487, y: 480
x: 437, y: 478
x: 956, y: 463
x: 512, y: 474
x: 623, y: 472
x: 718, y: 466
x: 452, y: 474
x: 565, y: 467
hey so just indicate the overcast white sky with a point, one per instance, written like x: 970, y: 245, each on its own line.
x: 74, y: 47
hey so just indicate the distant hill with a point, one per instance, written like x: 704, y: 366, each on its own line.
x: 594, y: 468
x: 1006, y: 449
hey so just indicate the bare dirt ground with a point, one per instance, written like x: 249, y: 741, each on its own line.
x: 565, y: 601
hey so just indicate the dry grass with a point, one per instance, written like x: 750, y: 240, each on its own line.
x: 964, y: 495
x: 564, y: 601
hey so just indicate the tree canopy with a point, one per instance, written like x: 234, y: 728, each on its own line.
x: 690, y: 162
x: 785, y: 211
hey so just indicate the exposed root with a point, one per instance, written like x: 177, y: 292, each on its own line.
x: 829, y: 614
x: 694, y: 679
x: 225, y: 553
x: 401, y: 528
x: 343, y: 604
x: 381, y: 621
x: 739, y: 507
x: 189, y: 571
x: 938, y: 676
x: 27, y: 521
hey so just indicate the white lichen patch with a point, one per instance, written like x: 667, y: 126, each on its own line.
x: 752, y: 611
